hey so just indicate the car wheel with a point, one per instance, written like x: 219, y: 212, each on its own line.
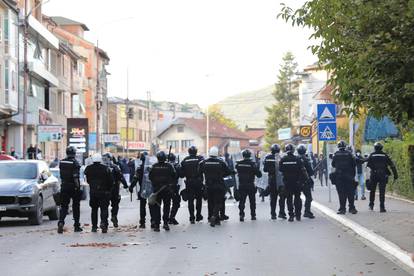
x: 53, y: 214
x: 36, y: 218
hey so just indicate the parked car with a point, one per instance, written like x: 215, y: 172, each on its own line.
x: 27, y: 189
x: 84, y: 186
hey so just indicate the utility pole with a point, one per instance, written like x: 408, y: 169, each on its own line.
x: 127, y: 115
x: 25, y: 76
x: 149, y: 105
x: 207, y: 130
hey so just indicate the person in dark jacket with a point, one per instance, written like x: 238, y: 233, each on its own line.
x: 271, y: 166
x: 307, y: 185
x: 138, y: 179
x: 175, y: 190
x: 162, y: 176
x: 294, y: 175
x: 193, y: 183
x: 344, y: 163
x: 379, y: 162
x: 360, y: 160
x: 70, y: 189
x: 101, y: 184
x: 214, y: 170
x: 118, y: 178
x: 247, y: 170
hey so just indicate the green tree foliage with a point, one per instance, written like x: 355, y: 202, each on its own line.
x: 368, y: 46
x: 280, y: 114
x: 216, y: 114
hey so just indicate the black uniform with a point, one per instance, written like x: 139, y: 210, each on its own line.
x: 70, y: 189
x: 379, y: 163
x: 176, y: 198
x: 138, y: 177
x: 307, y: 185
x: 101, y: 184
x: 115, y: 196
x: 214, y: 170
x: 247, y: 170
x: 193, y: 184
x: 344, y: 163
x: 271, y: 166
x: 162, y: 176
x: 294, y: 174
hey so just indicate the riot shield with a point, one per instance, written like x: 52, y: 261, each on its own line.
x: 262, y: 182
x: 146, y: 189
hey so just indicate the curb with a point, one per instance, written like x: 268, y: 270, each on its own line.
x: 399, y: 198
x: 391, y: 250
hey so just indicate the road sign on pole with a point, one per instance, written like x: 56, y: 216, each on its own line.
x: 326, y: 122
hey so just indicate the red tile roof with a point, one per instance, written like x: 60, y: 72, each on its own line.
x: 217, y: 129
x: 325, y: 93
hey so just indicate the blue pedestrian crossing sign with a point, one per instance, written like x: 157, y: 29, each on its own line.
x: 327, y: 122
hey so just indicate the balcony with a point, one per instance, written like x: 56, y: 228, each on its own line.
x: 38, y: 70
x: 77, y: 84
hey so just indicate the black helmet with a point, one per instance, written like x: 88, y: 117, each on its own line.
x: 70, y: 151
x: 301, y: 149
x: 107, y: 158
x: 192, y: 150
x: 161, y: 156
x: 289, y: 148
x: 275, y: 148
x: 378, y: 146
x: 172, y: 157
x: 342, y: 145
x: 143, y: 155
x: 247, y: 154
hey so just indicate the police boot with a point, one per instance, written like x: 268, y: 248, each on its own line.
x: 241, y: 218
x: 114, y: 221
x: 192, y: 220
x: 308, y: 214
x: 173, y: 221
x: 298, y: 217
x: 77, y: 228
x: 353, y: 211
x: 371, y: 207
x: 104, y: 228
x: 156, y: 228
x: 199, y: 218
x: 291, y: 218
x: 60, y: 227
x: 382, y: 209
x: 142, y: 225
x: 166, y: 227
x: 94, y: 229
x: 282, y: 216
x: 212, y: 221
x: 341, y: 212
x: 253, y: 217
x: 224, y: 217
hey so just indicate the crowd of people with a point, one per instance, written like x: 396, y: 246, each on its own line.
x: 289, y: 175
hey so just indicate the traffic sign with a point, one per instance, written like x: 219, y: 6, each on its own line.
x: 326, y: 112
x: 327, y: 131
x: 326, y: 122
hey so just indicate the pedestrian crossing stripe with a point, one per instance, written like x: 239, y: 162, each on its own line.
x: 327, y: 115
x: 327, y: 133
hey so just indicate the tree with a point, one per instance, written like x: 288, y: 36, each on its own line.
x: 216, y: 114
x: 368, y: 47
x: 280, y: 114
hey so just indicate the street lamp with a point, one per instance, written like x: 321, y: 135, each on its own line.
x: 26, y: 67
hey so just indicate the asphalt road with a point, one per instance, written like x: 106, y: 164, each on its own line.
x: 263, y: 247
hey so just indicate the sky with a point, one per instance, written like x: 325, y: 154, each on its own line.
x: 189, y: 50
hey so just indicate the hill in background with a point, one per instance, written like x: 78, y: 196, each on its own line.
x: 248, y: 108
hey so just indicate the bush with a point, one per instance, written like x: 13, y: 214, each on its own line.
x: 402, y: 153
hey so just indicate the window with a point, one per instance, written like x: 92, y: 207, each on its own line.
x: 131, y: 134
x: 145, y: 115
x: 185, y: 144
x: 173, y: 144
x: 6, y: 33
x: 140, y: 135
x: 6, y: 80
x: 140, y: 114
x: 180, y: 129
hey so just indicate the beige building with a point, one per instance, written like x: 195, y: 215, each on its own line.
x: 137, y: 132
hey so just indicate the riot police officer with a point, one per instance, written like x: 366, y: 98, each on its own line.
x: 294, y: 173
x: 193, y: 183
x: 70, y: 189
x: 162, y: 176
x: 379, y: 162
x: 344, y: 163
x: 175, y: 190
x: 138, y: 178
x: 271, y: 166
x: 214, y: 170
x: 247, y: 170
x: 101, y: 183
x: 307, y: 185
x: 118, y: 178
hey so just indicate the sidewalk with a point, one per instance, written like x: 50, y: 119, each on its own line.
x: 397, y: 225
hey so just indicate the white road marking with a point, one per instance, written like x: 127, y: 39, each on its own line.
x: 392, y: 250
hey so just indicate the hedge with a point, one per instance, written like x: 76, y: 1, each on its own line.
x: 402, y: 153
